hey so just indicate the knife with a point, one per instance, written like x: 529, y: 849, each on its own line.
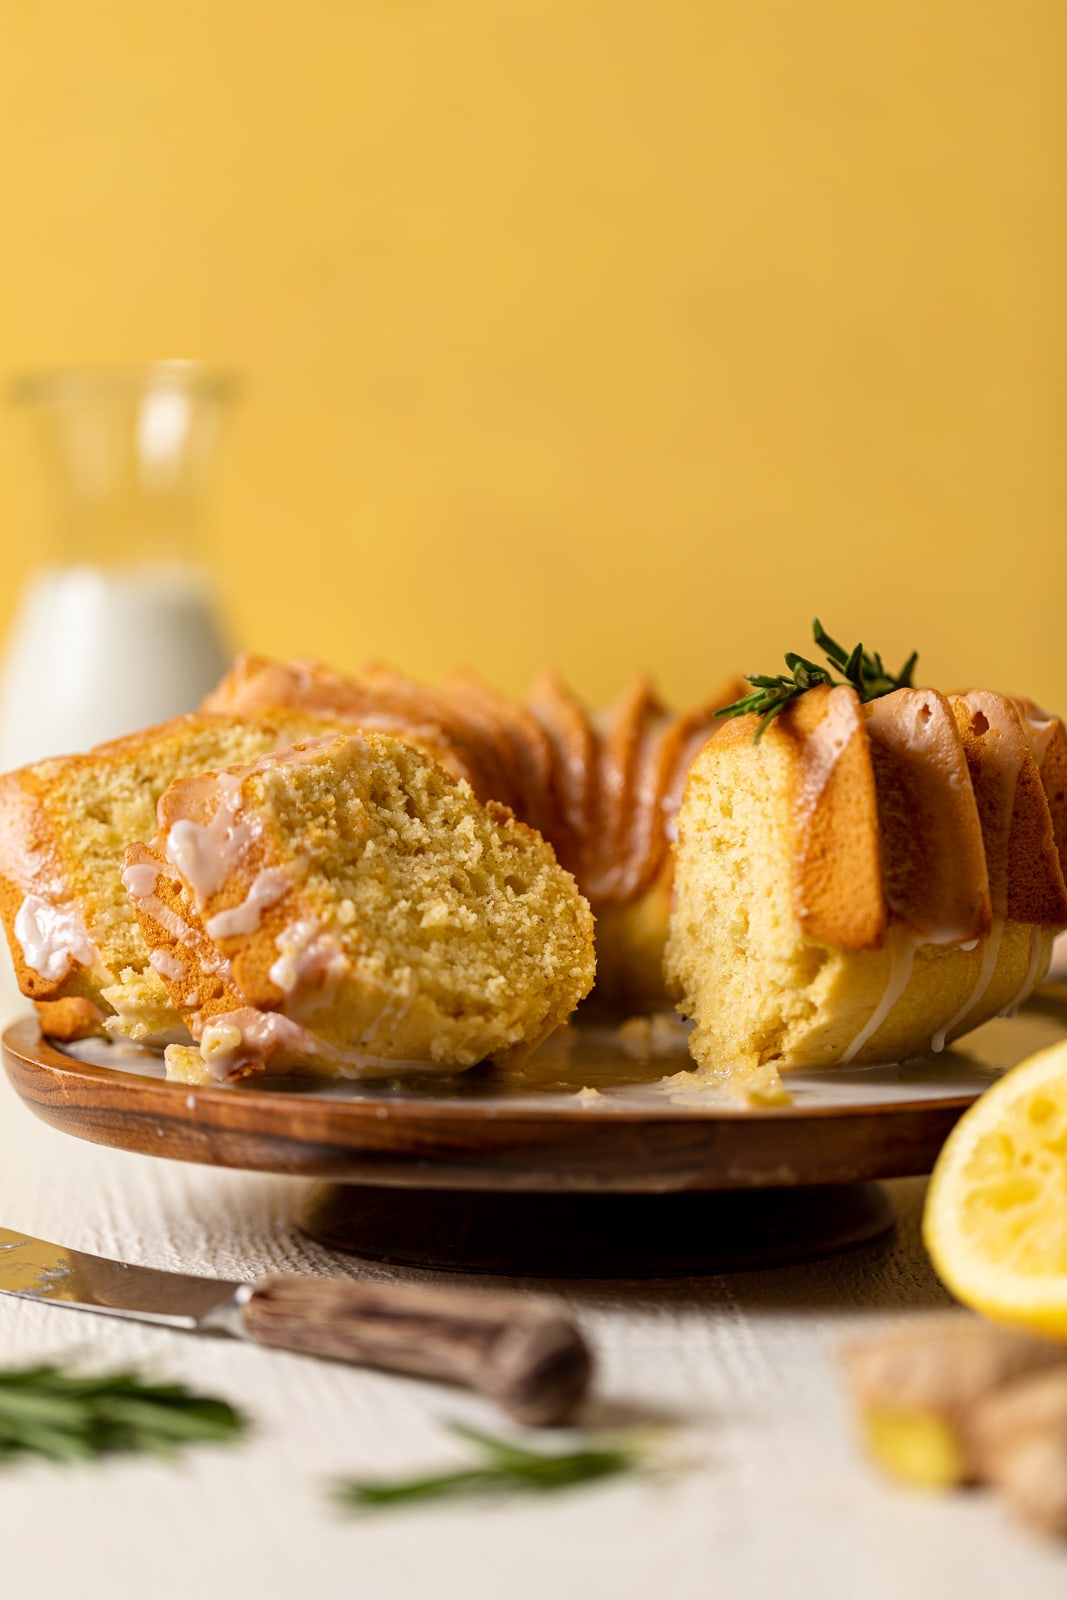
x: 521, y: 1352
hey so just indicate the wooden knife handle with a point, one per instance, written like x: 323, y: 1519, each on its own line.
x: 523, y: 1353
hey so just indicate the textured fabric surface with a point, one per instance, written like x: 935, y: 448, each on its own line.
x: 769, y: 1496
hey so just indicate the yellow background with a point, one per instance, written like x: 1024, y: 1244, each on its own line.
x: 607, y: 333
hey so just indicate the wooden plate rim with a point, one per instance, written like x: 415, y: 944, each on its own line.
x: 24, y: 1042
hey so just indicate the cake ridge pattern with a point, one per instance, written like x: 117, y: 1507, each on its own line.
x: 910, y: 885
x: 603, y: 788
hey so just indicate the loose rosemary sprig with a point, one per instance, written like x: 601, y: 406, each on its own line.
x: 64, y: 1416
x: 866, y: 673
x: 506, y: 1468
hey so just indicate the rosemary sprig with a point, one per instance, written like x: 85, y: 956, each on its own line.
x: 866, y: 673
x: 64, y: 1416
x: 505, y: 1468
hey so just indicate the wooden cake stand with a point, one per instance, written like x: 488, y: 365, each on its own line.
x: 603, y: 1158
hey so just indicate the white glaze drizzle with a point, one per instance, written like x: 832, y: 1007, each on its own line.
x: 250, y: 1037
x: 309, y: 957
x: 923, y: 735
x: 53, y: 938
x: 828, y: 744
x: 267, y: 889
x: 395, y: 1008
x: 1038, y: 726
x: 982, y: 982
x: 1040, y: 947
x: 916, y: 728
x: 1007, y: 775
x: 141, y: 882
x: 140, y: 879
x: 206, y: 853
x: 167, y: 964
x: 903, y: 944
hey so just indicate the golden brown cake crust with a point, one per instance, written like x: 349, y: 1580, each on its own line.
x: 70, y: 1019
x: 1026, y: 880
x: 602, y: 788
x: 1047, y: 739
x: 837, y: 863
x: 379, y: 699
x: 839, y: 894
x: 198, y: 978
x: 31, y: 868
x: 50, y: 813
x: 574, y: 746
x: 526, y: 749
x: 933, y: 850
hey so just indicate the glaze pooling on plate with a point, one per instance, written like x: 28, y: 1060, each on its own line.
x: 584, y: 1071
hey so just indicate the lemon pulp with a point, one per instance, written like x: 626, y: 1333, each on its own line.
x: 996, y: 1212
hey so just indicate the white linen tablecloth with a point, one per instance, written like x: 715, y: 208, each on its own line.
x: 771, y: 1495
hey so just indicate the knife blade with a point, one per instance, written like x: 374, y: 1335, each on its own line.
x: 518, y: 1350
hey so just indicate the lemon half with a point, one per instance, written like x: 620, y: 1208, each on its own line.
x: 995, y: 1222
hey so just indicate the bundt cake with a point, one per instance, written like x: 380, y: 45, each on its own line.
x: 348, y: 906
x: 64, y: 824
x: 865, y: 881
x: 864, y: 870
x: 602, y: 788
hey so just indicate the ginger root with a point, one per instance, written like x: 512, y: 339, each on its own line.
x: 953, y: 1399
x: 1019, y: 1440
x: 917, y: 1446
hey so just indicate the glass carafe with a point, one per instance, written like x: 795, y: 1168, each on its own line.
x: 120, y: 628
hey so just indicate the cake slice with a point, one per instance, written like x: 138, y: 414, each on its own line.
x: 864, y: 883
x: 64, y: 824
x: 348, y: 906
x: 602, y: 786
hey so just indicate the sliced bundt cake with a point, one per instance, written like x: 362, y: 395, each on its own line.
x: 348, y: 906
x: 603, y: 787
x: 64, y: 824
x: 864, y: 882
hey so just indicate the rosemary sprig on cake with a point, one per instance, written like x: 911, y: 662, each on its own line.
x: 505, y: 1468
x: 48, y: 1412
x: 865, y: 672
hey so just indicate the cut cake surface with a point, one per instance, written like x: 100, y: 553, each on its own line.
x: 64, y: 824
x: 347, y: 905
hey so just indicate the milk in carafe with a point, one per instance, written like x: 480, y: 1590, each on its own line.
x: 121, y: 628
